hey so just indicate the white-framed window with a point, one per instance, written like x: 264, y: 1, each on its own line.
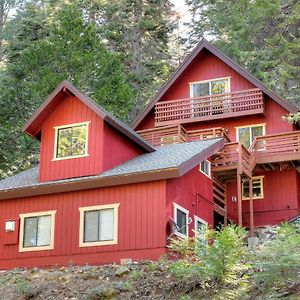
x: 210, y: 87
x: 37, y: 231
x: 257, y: 188
x: 71, y: 141
x: 247, y: 134
x: 200, y: 224
x: 181, y: 219
x: 98, y: 225
x: 205, y: 168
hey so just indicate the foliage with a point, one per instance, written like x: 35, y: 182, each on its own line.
x: 263, y: 36
x: 218, y: 262
x: 277, y: 264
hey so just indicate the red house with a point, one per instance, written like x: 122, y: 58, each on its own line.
x: 211, y: 147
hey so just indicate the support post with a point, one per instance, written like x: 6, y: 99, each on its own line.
x: 251, y: 233
x: 239, y: 196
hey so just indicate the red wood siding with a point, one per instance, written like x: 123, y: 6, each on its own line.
x: 106, y: 147
x: 280, y: 202
x: 117, y: 148
x: 183, y: 191
x: 141, y: 227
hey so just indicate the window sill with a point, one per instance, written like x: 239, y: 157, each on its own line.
x: 29, y: 249
x: 104, y: 243
x: 70, y: 157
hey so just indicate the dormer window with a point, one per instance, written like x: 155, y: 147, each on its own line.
x: 210, y: 87
x: 71, y: 141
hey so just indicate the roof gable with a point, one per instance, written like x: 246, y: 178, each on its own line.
x: 34, y: 124
x: 204, y: 44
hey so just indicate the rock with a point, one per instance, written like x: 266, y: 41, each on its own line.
x: 126, y: 261
x: 110, y: 292
x: 121, y: 271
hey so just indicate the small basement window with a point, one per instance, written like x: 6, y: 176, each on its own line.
x: 205, y: 168
x: 181, y: 216
x: 200, y: 224
x: 37, y: 231
x: 98, y: 225
x: 257, y: 188
x: 71, y: 141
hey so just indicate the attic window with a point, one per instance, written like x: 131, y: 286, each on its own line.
x: 71, y: 141
x: 205, y: 168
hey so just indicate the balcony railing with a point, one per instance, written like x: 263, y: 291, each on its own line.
x: 233, y: 156
x: 209, y: 107
x: 276, y: 148
x: 175, y: 134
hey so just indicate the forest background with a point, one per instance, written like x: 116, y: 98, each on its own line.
x: 119, y: 52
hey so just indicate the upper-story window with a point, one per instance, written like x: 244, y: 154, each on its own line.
x: 71, y: 141
x: 210, y: 87
x: 247, y: 134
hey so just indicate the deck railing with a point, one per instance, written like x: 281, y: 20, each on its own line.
x: 233, y: 156
x: 276, y: 148
x: 209, y: 107
x: 160, y: 136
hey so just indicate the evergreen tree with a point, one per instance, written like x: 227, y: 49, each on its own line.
x: 263, y: 36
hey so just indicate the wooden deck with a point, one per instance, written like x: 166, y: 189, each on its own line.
x: 276, y: 148
x: 211, y: 107
x: 175, y: 134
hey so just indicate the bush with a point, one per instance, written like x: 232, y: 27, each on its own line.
x: 217, y: 258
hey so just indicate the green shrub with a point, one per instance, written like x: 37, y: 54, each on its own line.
x: 217, y: 258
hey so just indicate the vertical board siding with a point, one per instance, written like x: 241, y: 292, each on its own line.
x: 141, y: 224
x: 280, y: 202
x: 183, y: 191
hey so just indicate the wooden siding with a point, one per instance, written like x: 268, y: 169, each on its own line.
x: 106, y: 147
x: 194, y: 192
x: 280, y: 202
x: 141, y: 227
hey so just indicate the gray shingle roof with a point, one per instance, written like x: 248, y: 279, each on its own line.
x: 171, y: 156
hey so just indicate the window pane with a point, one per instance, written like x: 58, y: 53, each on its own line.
x: 71, y: 141
x: 205, y: 167
x: 91, y: 226
x: 244, y: 136
x: 256, y: 131
x: 30, y: 232
x: 181, y: 221
x: 106, y: 225
x: 246, y: 189
x: 219, y: 86
x: 200, y: 89
x: 44, y: 231
x: 78, y: 140
x: 64, y: 142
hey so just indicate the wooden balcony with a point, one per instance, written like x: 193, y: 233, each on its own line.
x: 165, y: 135
x: 233, y: 157
x: 211, y: 107
x: 283, y: 147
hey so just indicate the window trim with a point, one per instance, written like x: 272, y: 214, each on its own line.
x: 184, y: 210
x: 209, y: 168
x: 52, y: 231
x: 196, y: 218
x: 57, y: 128
x: 249, y: 126
x: 82, y: 210
x: 261, y: 178
x: 209, y: 80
